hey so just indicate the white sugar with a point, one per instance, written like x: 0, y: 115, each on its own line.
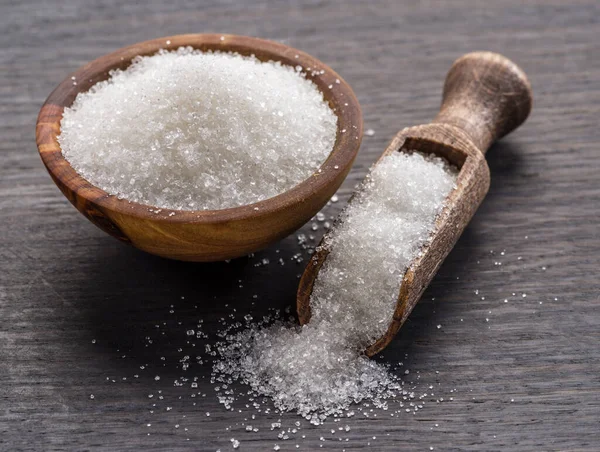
x: 318, y: 370
x: 379, y: 234
x: 187, y: 130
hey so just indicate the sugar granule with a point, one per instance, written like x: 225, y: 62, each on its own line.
x: 378, y: 236
x: 318, y: 370
x: 187, y: 130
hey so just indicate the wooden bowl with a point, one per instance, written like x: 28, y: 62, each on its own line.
x: 207, y: 235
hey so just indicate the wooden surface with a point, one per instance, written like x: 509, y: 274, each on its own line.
x: 524, y: 375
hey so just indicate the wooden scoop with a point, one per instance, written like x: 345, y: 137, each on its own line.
x: 486, y: 96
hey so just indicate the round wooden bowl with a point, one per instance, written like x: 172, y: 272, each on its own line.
x: 207, y: 235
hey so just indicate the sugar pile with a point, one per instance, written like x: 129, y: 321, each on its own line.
x: 318, y: 370
x: 379, y: 234
x: 187, y: 130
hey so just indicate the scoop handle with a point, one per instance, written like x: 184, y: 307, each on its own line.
x: 487, y: 96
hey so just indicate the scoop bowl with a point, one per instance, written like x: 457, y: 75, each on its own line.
x: 206, y: 235
x: 486, y: 96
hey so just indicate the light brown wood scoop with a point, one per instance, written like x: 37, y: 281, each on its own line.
x: 486, y: 96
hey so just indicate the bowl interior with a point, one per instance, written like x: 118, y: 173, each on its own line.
x: 335, y: 90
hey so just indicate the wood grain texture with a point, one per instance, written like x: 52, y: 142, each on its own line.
x: 486, y: 96
x: 527, y: 379
x: 205, y: 235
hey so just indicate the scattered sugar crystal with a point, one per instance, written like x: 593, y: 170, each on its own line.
x: 187, y: 130
x: 318, y: 369
x: 369, y: 132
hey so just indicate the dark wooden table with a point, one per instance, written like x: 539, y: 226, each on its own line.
x: 82, y: 314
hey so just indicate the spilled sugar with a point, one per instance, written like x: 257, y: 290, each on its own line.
x: 187, y: 130
x: 318, y: 370
x: 178, y: 405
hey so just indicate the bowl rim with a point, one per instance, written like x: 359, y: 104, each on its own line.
x: 335, y: 90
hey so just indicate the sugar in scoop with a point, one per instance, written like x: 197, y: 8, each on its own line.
x: 188, y: 130
x: 379, y: 234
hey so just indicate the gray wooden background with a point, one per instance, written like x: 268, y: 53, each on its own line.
x: 82, y: 314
